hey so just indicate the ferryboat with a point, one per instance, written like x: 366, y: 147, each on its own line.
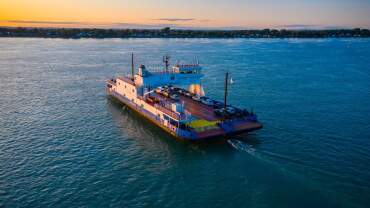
x: 174, y: 100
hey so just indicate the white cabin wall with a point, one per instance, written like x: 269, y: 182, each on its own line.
x: 127, y: 90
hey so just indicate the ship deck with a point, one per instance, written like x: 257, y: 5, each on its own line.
x: 197, y: 109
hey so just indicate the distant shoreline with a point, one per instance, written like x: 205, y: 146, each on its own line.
x: 77, y: 33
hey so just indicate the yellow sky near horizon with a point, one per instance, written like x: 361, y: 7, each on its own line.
x: 206, y: 13
x: 66, y: 10
x: 95, y: 13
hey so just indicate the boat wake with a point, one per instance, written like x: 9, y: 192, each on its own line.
x: 267, y: 155
x: 242, y: 146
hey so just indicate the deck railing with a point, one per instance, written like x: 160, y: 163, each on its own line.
x: 111, y: 82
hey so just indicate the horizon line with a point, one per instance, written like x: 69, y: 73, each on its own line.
x: 191, y: 29
x: 124, y: 25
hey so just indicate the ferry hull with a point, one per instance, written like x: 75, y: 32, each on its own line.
x: 251, y: 126
x: 124, y: 102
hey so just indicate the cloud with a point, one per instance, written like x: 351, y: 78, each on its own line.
x: 140, y: 26
x: 120, y: 25
x: 205, y: 20
x: 309, y: 27
x: 176, y: 19
x: 45, y: 22
x: 298, y: 26
x: 105, y: 25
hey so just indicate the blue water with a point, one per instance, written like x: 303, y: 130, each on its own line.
x: 64, y: 144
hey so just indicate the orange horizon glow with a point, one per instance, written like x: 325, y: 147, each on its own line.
x: 178, y: 13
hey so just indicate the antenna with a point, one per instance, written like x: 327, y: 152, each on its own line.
x: 132, y: 67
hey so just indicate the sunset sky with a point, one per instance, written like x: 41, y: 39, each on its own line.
x: 186, y: 13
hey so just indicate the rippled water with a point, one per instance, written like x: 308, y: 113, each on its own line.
x: 64, y: 144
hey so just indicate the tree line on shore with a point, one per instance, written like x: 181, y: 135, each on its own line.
x: 177, y: 33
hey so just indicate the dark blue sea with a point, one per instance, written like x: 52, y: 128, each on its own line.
x: 63, y: 143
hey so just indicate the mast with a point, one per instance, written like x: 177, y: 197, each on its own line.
x: 226, y: 83
x: 132, y: 67
x: 166, y: 61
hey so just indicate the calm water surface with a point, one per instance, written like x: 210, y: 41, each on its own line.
x: 64, y: 144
